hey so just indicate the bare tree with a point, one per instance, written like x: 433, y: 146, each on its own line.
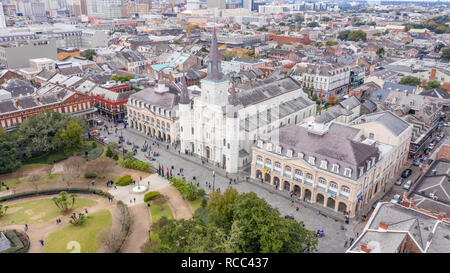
x: 101, y: 166
x: 68, y: 178
x: 74, y: 165
x: 34, y: 181
x: 48, y: 169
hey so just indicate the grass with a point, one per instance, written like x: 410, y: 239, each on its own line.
x: 85, y: 235
x: 157, y: 213
x: 49, y: 158
x: 38, y: 211
x: 23, y: 182
x: 195, y: 204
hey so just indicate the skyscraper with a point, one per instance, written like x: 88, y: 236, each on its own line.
x: 216, y: 4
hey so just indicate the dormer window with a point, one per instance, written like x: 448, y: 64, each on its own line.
x: 260, y: 144
x: 300, y: 155
x: 348, y: 172
x: 323, y: 164
x: 335, y: 168
x: 361, y: 171
x: 269, y: 146
x: 312, y: 160
x: 373, y: 161
x: 278, y: 149
x: 368, y: 164
x: 289, y: 153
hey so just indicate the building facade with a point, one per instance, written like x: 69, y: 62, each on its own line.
x: 342, y: 167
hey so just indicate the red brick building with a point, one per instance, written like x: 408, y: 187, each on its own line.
x: 303, y: 39
x: 13, y: 111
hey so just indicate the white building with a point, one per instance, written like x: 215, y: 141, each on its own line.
x: 221, y: 127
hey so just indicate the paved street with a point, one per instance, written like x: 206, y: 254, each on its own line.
x: 331, y: 224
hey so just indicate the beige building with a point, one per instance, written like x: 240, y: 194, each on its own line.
x: 153, y: 111
x: 342, y: 167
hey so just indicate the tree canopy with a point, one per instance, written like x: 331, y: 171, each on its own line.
x: 237, y: 223
x: 89, y: 53
x: 121, y: 78
x: 445, y: 54
x: 410, y: 80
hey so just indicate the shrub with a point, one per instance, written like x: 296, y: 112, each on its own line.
x: 115, y: 156
x: 109, y: 152
x: 187, y: 189
x: 150, y: 195
x: 135, y: 164
x: 90, y: 175
x: 95, y: 153
x: 124, y: 180
x: 204, y: 203
x: 94, y: 145
x: 201, y: 192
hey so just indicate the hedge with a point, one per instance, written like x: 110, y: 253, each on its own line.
x: 54, y: 191
x: 135, y: 164
x: 95, y: 153
x: 125, y: 226
x: 19, y: 240
x: 150, y: 195
x: 124, y: 180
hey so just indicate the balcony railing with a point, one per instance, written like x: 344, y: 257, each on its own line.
x: 287, y: 174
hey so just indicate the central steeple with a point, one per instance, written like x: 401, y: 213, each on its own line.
x: 214, y: 73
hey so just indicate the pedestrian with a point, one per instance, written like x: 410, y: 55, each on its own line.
x: 140, y: 177
x: 134, y: 200
x: 115, y: 187
x: 148, y: 204
x: 131, y: 201
x: 229, y: 183
x: 226, y: 174
x: 57, y: 221
x: 292, y: 203
x: 25, y: 227
x: 235, y: 181
x: 41, y: 242
x: 86, y: 211
x: 298, y: 207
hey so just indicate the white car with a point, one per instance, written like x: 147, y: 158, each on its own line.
x: 396, y: 199
x: 431, y: 146
x: 407, y: 185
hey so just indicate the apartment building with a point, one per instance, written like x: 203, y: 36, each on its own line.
x: 342, y: 167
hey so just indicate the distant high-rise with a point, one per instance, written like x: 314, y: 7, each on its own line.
x: 216, y: 4
x: 2, y: 17
x: 247, y: 4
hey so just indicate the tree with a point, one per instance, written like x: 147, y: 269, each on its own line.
x: 89, y: 54
x: 313, y: 24
x: 74, y: 165
x: 101, y: 166
x: 319, y: 44
x: 331, y: 43
x: 445, y: 55
x: 331, y: 99
x: 121, y: 78
x: 380, y: 52
x: 176, y: 42
x: 326, y: 19
x: 48, y: 170
x: 191, y: 27
x: 10, y: 156
x: 321, y: 96
x: 343, y: 35
x: 410, y: 81
x: 77, y: 220
x: 432, y: 85
x: 204, y: 49
x: 64, y: 202
x: 34, y: 181
x: 357, y: 35
x: 71, y: 137
x: 3, y: 210
x: 220, y: 207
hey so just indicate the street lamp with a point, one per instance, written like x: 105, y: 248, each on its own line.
x: 214, y: 180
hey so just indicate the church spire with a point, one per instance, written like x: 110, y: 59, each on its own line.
x: 184, y: 97
x: 214, y: 73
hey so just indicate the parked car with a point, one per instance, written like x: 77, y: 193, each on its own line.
x: 407, y: 185
x: 434, y: 142
x: 427, y: 151
x: 406, y: 173
x: 289, y: 217
x: 396, y: 199
x: 431, y: 146
x: 438, y: 138
x: 399, y: 181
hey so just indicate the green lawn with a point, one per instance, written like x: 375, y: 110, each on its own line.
x: 195, y: 204
x: 86, y: 235
x: 157, y: 213
x: 38, y: 211
x: 23, y: 182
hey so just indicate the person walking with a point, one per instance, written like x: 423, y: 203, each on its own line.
x: 25, y: 228
x: 86, y: 211
x: 134, y: 199
x: 292, y: 203
x: 298, y: 207
x: 41, y: 242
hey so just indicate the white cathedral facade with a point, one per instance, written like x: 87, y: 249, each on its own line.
x: 221, y: 126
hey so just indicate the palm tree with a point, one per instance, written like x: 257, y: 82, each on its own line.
x: 3, y: 210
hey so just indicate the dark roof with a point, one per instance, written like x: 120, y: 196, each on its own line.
x: 27, y: 102
x: 7, y: 106
x: 70, y: 71
x: 19, y: 87
x: 336, y: 145
x: 437, y: 93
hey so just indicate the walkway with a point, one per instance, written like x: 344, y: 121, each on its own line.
x: 141, y: 223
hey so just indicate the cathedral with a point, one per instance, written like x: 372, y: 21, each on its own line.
x: 221, y: 125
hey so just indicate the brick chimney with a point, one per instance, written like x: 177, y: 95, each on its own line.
x: 365, y: 249
x: 383, y: 225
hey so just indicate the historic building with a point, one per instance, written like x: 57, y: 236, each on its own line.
x: 221, y: 127
x: 51, y: 96
x: 153, y: 111
x: 342, y: 167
